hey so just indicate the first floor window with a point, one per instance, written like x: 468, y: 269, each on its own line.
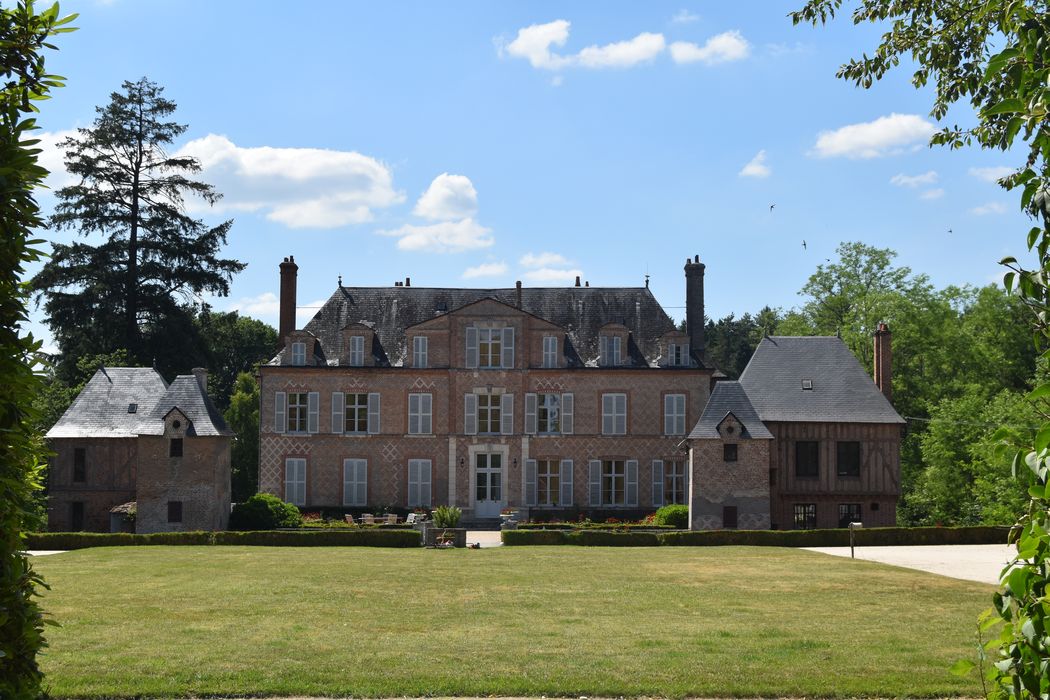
x: 614, y: 414
x: 295, y: 481
x: 805, y: 516
x: 420, y: 414
x: 675, y: 482
x: 848, y: 458
x: 807, y: 459
x: 674, y: 414
x: 419, y: 351
x: 490, y: 347
x: 174, y: 511
x: 297, y: 411
x: 548, y: 417
x: 548, y: 482
x: 356, y: 413
x: 614, y: 482
x: 419, y: 483
x: 299, y: 354
x: 175, y: 447
x: 79, y: 465
x: 849, y: 513
x: 489, y: 413
x: 355, y: 482
x: 357, y: 351
x: 729, y: 452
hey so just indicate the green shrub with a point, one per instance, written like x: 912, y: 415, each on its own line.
x: 83, y: 540
x: 866, y: 537
x: 539, y: 537
x: 447, y: 516
x: 602, y: 538
x: 587, y: 525
x: 360, y: 537
x: 674, y: 516
x: 264, y: 511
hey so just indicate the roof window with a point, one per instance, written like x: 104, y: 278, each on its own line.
x: 133, y: 408
x: 807, y: 385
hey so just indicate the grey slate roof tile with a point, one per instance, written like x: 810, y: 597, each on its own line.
x: 101, y: 409
x: 185, y: 394
x: 729, y: 397
x: 842, y: 391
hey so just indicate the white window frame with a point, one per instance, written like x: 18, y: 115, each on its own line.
x: 419, y: 352
x: 357, y: 351
x: 550, y: 351
x: 355, y: 482
x: 543, y: 410
x: 609, y: 350
x: 420, y: 411
x: 676, y: 482
x: 491, y: 339
x: 678, y: 354
x: 298, y: 412
x: 491, y: 407
x: 298, y: 353
x: 549, y: 469
x: 674, y: 414
x: 614, y: 414
x: 420, y: 483
x: 614, y: 471
x: 295, y: 480
x: 360, y: 408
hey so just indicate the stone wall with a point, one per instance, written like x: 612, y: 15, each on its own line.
x: 716, y: 484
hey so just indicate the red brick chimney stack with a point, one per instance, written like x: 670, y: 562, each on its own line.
x: 517, y: 287
x: 884, y: 361
x: 289, y: 273
x: 694, y: 306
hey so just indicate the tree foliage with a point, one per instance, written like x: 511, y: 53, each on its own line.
x: 242, y: 417
x: 131, y: 290
x: 232, y: 344
x: 731, y: 341
x: 995, y: 55
x: 24, y: 35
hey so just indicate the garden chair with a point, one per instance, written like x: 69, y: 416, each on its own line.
x: 349, y: 519
x: 391, y: 519
x: 368, y: 519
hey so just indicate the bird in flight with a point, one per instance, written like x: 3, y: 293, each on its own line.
x: 949, y: 230
x: 771, y: 206
x: 804, y: 245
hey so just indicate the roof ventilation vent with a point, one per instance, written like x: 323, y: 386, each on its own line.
x: 807, y: 385
x: 133, y: 408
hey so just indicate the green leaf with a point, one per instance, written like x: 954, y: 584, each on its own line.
x: 1007, y: 106
x: 1040, y: 392
x: 962, y: 667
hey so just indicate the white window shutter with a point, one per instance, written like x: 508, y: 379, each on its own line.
x: 632, y: 482
x: 470, y: 414
x: 280, y: 419
x: 361, y: 487
x: 508, y: 348
x: 413, y: 483
x: 565, y: 479
x: 472, y: 347
x: 669, y: 414
x: 603, y: 350
x: 425, y: 469
x: 338, y: 412
x: 616, y: 350
x: 530, y: 414
x: 608, y: 419
x: 530, y: 482
x: 427, y: 419
x: 595, y: 469
x: 373, y: 413
x: 566, y: 414
x: 413, y: 413
x: 621, y: 414
x: 313, y: 405
x: 658, y: 482
x: 506, y: 414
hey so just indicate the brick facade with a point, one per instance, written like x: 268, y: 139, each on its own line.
x: 719, y: 484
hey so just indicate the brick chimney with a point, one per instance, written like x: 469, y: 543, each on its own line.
x: 694, y: 306
x: 517, y: 289
x: 202, y: 379
x: 289, y: 272
x: 884, y: 361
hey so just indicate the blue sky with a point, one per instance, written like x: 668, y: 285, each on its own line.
x: 478, y: 143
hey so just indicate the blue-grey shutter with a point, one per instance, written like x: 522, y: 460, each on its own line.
x: 413, y: 483
x: 567, y: 419
x: 373, y: 413
x: 507, y: 361
x: 338, y: 412
x: 530, y: 414
x: 608, y: 420
x: 658, y: 482
x: 470, y: 414
x: 506, y: 414
x: 415, y: 405
x: 565, y: 479
x: 603, y: 350
x: 632, y: 482
x: 669, y: 414
x: 621, y: 413
x: 616, y: 357
x: 530, y: 482
x: 313, y: 405
x: 361, y: 484
x: 280, y: 412
x: 425, y: 480
x: 472, y: 347
x: 595, y: 469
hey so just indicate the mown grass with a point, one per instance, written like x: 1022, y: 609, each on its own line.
x: 727, y: 621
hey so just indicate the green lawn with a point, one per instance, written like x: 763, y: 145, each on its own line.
x: 669, y: 621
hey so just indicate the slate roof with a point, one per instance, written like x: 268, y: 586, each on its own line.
x: 581, y: 311
x: 185, y: 394
x: 842, y: 391
x: 729, y: 397
x: 101, y: 409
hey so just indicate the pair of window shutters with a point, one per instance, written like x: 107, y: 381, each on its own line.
x: 280, y: 411
x: 565, y: 410
x: 295, y: 481
x: 630, y: 485
x: 608, y: 350
x: 564, y: 483
x: 470, y: 414
x: 355, y: 482
x: 339, y: 413
x: 419, y: 482
x: 506, y: 347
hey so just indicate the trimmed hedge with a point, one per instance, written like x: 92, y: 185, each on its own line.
x: 601, y: 538
x: 377, y: 537
x: 615, y: 527
x: 513, y: 537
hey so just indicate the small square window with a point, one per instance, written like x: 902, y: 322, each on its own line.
x: 807, y: 385
x: 175, y: 447
x: 174, y: 511
x: 133, y: 408
x: 729, y: 453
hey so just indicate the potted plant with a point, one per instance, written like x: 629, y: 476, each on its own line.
x: 445, y: 531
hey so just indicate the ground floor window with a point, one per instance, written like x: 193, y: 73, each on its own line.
x: 174, y: 511
x: 729, y: 520
x: 849, y: 513
x: 548, y: 482
x: 419, y: 482
x: 614, y: 482
x: 805, y: 516
x: 675, y: 482
x: 76, y: 516
x: 355, y: 482
x: 295, y: 481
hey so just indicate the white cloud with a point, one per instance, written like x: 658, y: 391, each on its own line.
x: 901, y: 180
x: 494, y: 269
x: 989, y: 208
x: 884, y: 136
x: 721, y: 48
x: 557, y: 81
x: 622, y: 54
x: 443, y: 237
x: 546, y: 274
x: 53, y: 158
x: 684, y: 16
x: 757, y: 167
x: 542, y: 260
x: 267, y: 307
x: 935, y: 193
x: 448, y: 197
x: 535, y: 42
x: 779, y: 50
x: 307, y: 311
x: 298, y: 187
x: 992, y: 174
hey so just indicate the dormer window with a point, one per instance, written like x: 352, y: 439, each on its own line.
x: 609, y: 350
x: 678, y: 354
x: 299, y: 354
x: 490, y: 348
x: 550, y: 351
x: 419, y: 351
x: 357, y: 351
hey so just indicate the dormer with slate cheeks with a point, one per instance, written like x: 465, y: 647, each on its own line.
x: 358, y: 346
x: 613, y: 345
x: 177, y: 425
x: 731, y: 429
x: 302, y: 349
x: 674, y: 350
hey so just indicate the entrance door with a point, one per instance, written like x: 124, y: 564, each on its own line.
x: 488, y: 476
